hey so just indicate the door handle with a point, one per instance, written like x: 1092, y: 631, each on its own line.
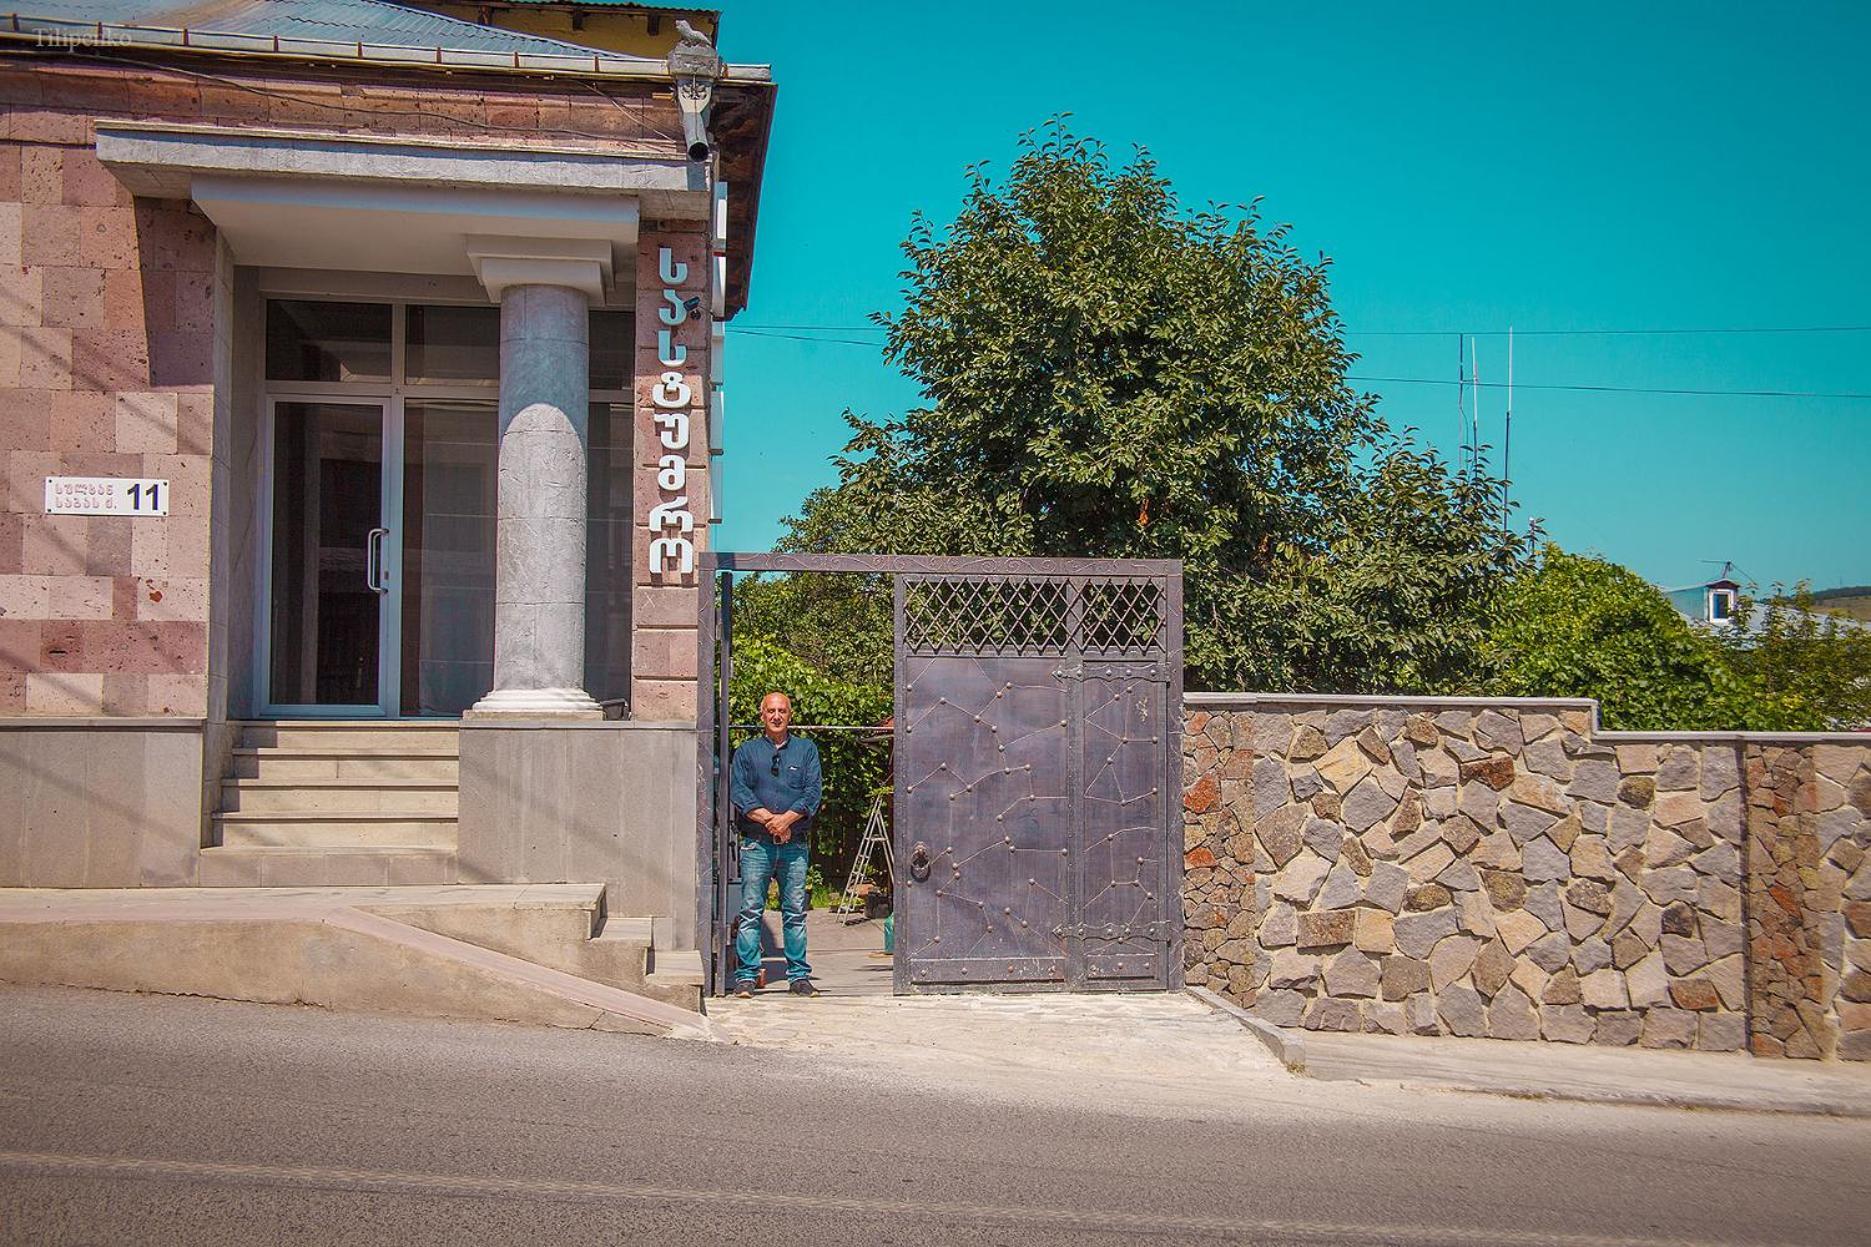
x: 373, y: 560
x: 919, y: 862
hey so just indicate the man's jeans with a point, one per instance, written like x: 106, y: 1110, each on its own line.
x: 761, y: 860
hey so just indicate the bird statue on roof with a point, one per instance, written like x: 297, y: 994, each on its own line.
x: 695, y: 65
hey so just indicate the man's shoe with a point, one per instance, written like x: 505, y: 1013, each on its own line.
x: 743, y: 990
x: 803, y: 987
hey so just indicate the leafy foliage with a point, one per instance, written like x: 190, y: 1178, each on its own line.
x: 830, y: 622
x: 1392, y: 594
x: 1808, y: 671
x: 1578, y: 626
x: 1108, y: 375
x: 854, y: 769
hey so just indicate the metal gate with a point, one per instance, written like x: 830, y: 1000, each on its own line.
x: 1037, y: 831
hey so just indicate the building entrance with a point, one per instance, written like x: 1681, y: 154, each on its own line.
x: 1036, y: 829
x: 379, y: 465
x: 380, y: 561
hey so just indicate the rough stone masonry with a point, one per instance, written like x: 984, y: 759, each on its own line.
x: 1453, y: 868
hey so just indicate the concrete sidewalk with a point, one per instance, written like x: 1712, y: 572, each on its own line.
x: 1704, y: 1080
x: 1190, y: 1047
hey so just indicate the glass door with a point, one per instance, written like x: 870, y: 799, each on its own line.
x: 329, y: 559
x: 444, y: 554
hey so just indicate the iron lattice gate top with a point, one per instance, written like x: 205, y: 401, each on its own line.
x: 1026, y: 616
x: 1034, y: 820
x: 1033, y: 781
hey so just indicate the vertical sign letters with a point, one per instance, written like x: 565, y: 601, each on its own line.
x: 671, y: 522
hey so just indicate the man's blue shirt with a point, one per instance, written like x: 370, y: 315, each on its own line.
x: 763, y: 777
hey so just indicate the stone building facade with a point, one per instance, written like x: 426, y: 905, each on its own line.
x: 1450, y: 867
x: 438, y: 261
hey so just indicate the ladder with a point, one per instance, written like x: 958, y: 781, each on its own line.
x: 876, y: 832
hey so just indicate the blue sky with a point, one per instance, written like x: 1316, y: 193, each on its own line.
x: 1467, y: 168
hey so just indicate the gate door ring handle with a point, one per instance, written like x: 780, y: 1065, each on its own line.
x: 919, y: 862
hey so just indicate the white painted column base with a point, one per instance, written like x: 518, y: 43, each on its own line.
x: 536, y: 703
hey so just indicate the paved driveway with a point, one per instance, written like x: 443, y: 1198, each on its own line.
x: 1169, y: 1041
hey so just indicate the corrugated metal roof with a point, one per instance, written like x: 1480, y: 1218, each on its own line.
x: 301, y: 25
x: 615, y: 4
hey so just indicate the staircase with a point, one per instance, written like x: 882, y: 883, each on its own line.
x: 317, y: 804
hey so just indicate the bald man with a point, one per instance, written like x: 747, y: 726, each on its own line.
x: 776, y: 785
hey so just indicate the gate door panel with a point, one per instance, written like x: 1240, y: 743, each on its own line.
x: 1121, y: 814
x: 981, y: 781
x: 1032, y: 817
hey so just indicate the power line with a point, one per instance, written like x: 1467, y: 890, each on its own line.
x: 1412, y: 333
x: 1617, y: 389
x: 1588, y: 333
x: 832, y: 328
x: 800, y: 337
x: 1491, y: 385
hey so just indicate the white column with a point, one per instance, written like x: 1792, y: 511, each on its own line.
x: 539, y: 578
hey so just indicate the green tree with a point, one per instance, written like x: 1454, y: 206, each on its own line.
x: 1577, y: 626
x: 1107, y: 374
x: 1808, y: 671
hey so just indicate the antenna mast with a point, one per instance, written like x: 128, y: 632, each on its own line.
x: 1474, y: 440
x: 1461, y: 402
x: 1507, y: 437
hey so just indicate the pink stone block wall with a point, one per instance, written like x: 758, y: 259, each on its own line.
x: 106, y: 362
x: 108, y: 354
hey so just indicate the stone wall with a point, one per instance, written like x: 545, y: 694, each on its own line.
x: 1809, y: 900
x: 1502, y: 869
x: 107, y: 340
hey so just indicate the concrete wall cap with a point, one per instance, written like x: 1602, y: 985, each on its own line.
x: 1250, y: 701
x: 106, y: 723
x: 1246, y: 700
x: 577, y: 725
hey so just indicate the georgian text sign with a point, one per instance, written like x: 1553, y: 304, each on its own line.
x: 105, y: 495
x: 671, y: 522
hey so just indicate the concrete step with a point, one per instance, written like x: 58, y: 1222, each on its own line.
x: 340, y: 796
x: 335, y: 830
x: 350, y: 734
x: 299, y: 867
x: 440, y: 764
x: 675, y: 976
x: 632, y: 930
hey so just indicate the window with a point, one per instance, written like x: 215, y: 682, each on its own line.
x: 460, y: 344
x: 311, y: 341
x: 1721, y: 605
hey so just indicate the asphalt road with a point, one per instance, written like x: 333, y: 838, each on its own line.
x: 155, y: 1120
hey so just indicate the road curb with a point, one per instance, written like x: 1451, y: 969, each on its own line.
x: 1629, y: 1099
x: 1285, y: 1045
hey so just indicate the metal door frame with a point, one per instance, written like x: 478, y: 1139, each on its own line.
x: 390, y: 561
x: 715, y: 571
